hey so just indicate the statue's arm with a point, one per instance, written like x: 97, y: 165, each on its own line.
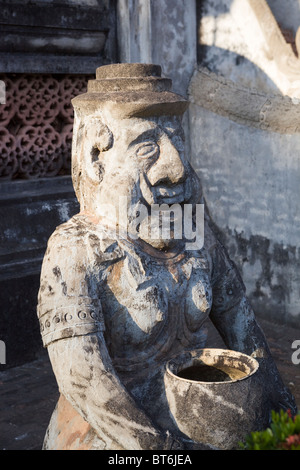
x: 72, y: 327
x: 87, y: 379
x: 241, y: 332
x: 234, y: 318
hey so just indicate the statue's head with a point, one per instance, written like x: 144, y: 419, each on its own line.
x: 128, y: 145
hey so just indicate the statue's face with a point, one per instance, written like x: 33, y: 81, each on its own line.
x: 146, y: 165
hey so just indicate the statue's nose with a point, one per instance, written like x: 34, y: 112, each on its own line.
x: 169, y: 168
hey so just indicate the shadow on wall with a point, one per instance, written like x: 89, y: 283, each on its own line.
x: 237, y: 68
x: 234, y: 30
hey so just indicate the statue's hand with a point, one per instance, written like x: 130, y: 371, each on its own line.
x: 191, y: 445
x: 286, y: 401
x: 182, y: 443
x: 280, y: 397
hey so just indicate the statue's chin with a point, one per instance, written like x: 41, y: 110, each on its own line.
x: 161, y: 244
x: 156, y: 241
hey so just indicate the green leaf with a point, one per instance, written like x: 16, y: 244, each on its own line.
x: 276, y: 436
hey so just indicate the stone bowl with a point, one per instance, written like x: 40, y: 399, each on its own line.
x: 216, y: 396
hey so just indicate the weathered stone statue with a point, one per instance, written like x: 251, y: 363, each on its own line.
x: 117, y: 300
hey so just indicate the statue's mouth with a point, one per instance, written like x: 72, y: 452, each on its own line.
x: 169, y: 195
x: 180, y: 193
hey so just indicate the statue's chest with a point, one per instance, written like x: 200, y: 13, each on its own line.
x: 146, y: 302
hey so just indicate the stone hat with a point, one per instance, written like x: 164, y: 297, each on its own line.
x: 127, y: 90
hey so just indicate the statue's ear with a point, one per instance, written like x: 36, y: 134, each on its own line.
x: 99, y: 135
x: 98, y: 138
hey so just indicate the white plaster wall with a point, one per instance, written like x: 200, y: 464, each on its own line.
x: 242, y: 40
x: 251, y: 176
x: 250, y: 179
x: 234, y: 44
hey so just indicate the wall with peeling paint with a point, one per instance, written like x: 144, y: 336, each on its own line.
x: 245, y: 146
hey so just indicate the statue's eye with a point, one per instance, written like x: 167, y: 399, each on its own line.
x: 147, y: 150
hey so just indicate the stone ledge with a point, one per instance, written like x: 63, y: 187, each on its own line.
x: 41, y: 186
x: 29, y: 212
x: 275, y: 113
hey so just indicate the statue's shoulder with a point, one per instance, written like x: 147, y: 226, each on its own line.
x: 75, y: 231
x: 71, y: 231
x: 81, y: 234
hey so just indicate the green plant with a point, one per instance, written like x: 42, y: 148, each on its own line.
x: 283, y: 434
